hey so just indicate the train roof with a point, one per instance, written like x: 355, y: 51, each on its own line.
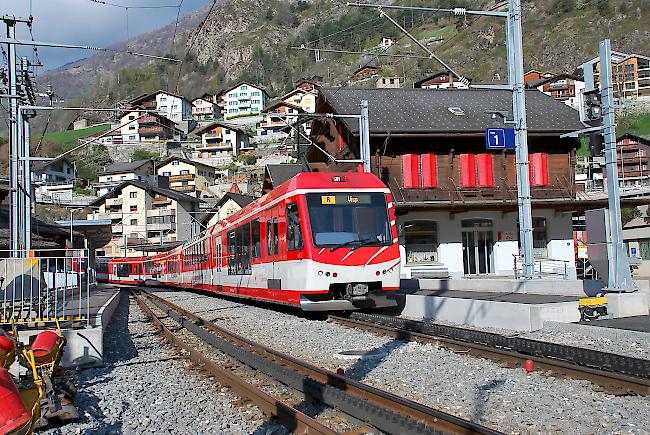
x: 321, y: 181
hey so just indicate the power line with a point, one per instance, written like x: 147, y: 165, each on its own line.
x: 178, y: 14
x: 344, y: 30
x: 135, y: 7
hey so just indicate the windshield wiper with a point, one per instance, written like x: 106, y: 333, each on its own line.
x: 355, y: 243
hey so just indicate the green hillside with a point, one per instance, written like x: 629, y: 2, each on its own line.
x: 69, y: 138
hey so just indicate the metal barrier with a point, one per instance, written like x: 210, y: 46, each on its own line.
x: 54, y: 287
x: 543, y: 267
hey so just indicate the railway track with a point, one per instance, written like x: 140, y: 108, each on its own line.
x: 614, y: 373
x: 376, y: 409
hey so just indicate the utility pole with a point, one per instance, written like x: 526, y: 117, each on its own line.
x: 514, y: 42
x: 619, y: 276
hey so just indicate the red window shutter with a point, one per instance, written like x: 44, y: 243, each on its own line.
x: 467, y: 170
x: 429, y: 171
x: 540, y: 169
x: 410, y: 172
x: 485, y: 170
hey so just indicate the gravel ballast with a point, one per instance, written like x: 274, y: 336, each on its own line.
x: 146, y: 387
x: 509, y: 400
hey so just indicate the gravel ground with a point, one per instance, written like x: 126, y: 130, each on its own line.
x: 509, y: 400
x: 147, y: 388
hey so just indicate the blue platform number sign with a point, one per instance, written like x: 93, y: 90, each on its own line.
x: 500, y: 138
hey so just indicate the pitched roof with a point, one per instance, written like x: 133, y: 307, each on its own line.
x: 181, y: 159
x: 280, y: 173
x: 433, y: 76
x: 153, y: 94
x: 122, y: 167
x: 282, y: 103
x: 535, y: 83
x: 226, y: 90
x: 39, y: 165
x: 173, y: 194
x: 644, y: 139
x: 210, y: 126
x: 241, y: 200
x: 426, y: 111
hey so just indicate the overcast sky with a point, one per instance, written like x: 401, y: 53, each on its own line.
x: 88, y: 23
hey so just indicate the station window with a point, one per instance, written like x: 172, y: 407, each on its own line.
x: 539, y: 169
x: 294, y: 233
x: 429, y: 171
x: 467, y: 170
x: 410, y: 171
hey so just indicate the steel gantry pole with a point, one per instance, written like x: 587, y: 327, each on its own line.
x: 619, y: 276
x: 514, y: 39
x: 13, y: 138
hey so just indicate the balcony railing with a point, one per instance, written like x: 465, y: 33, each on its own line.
x: 114, y: 202
x: 161, y: 199
x: 188, y: 188
x: 181, y: 177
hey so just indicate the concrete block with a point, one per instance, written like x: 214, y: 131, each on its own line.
x: 627, y: 304
x: 486, y: 313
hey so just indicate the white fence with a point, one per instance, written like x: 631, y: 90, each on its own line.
x: 543, y: 267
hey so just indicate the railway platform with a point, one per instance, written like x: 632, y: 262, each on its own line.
x: 484, y: 303
x: 85, y: 338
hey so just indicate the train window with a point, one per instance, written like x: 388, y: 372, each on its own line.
x: 269, y: 238
x: 294, y: 233
x: 255, y: 239
x: 275, y: 236
x: 239, y: 257
x: 122, y: 270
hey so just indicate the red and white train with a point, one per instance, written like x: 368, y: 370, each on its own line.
x: 320, y: 241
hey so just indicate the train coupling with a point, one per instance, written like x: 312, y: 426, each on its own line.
x: 354, y: 290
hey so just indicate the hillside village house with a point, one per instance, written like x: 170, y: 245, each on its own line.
x: 229, y: 204
x: 304, y: 96
x: 562, y: 87
x: 53, y: 180
x: 187, y: 176
x: 119, y: 172
x: 174, y: 107
x: 205, y: 109
x: 144, y: 216
x: 456, y: 201
x: 221, y: 140
x: 244, y: 99
x: 147, y: 127
x: 630, y: 74
x: 279, y: 120
x: 364, y: 73
x: 632, y: 160
x: 442, y: 80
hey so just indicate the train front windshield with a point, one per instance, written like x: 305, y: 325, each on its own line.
x: 349, y: 219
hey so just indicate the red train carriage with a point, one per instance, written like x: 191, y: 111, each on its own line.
x: 320, y: 241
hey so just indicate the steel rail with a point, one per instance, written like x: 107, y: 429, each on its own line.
x: 616, y: 373
x: 291, y: 418
x: 391, y: 413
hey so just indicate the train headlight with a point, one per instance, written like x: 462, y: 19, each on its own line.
x: 320, y: 273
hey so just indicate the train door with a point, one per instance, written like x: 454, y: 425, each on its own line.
x: 273, y: 243
x: 216, y: 261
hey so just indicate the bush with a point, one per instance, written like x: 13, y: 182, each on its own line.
x: 604, y: 7
x: 564, y: 6
x: 142, y: 154
x: 247, y: 159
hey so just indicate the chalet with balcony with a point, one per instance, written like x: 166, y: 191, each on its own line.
x: 148, y: 127
x: 279, y: 121
x: 303, y: 96
x: 187, y: 176
x: 144, y: 217
x: 221, y: 140
x: 562, y: 87
x: 364, y: 73
x: 442, y: 80
x: 53, y: 180
x: 456, y: 200
x: 117, y: 173
x: 205, y: 108
x: 229, y: 204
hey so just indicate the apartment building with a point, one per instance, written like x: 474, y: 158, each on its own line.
x: 632, y: 159
x: 630, y: 74
x: 147, y: 127
x: 175, y: 107
x: 187, y: 176
x: 115, y: 174
x: 221, y: 140
x: 244, y: 99
x: 144, y: 216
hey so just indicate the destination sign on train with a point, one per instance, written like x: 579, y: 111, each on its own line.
x: 345, y: 199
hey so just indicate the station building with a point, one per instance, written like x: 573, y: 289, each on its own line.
x: 455, y: 200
